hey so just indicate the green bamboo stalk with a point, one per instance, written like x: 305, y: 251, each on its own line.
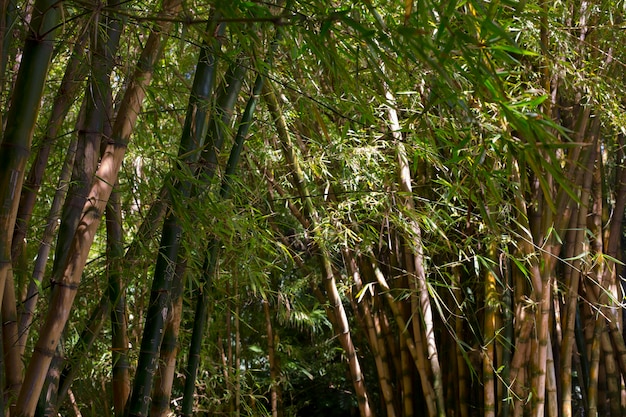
x: 139, y: 402
x: 196, y: 119
x: 75, y: 74
x: 218, y: 124
x: 23, y: 111
x: 201, y: 309
x: 191, y: 143
x: 8, y: 15
x: 200, y: 317
x: 210, y: 262
x: 121, y: 366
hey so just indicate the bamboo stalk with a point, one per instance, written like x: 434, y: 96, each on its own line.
x: 166, y: 371
x: 594, y: 368
x: 375, y: 338
x: 420, y: 362
x: 189, y: 152
x: 23, y: 111
x: 74, y: 76
x: 418, y: 278
x: 551, y: 384
x: 275, y: 388
x: 117, y: 300
x: 461, y: 367
x: 212, y: 250
x: 237, y: 361
x: 489, y: 330
x: 569, y: 313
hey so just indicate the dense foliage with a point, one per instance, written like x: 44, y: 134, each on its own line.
x: 312, y: 208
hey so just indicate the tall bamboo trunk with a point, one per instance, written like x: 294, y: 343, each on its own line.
x: 73, y: 78
x: 15, y: 334
x: 417, y: 280
x: 23, y: 111
x: 463, y: 393
x: 158, y: 310
x: 14, y: 151
x: 542, y: 281
x: 237, y: 353
x: 489, y: 330
x: 343, y: 333
x: 605, y: 271
x: 192, y: 142
x: 97, y: 112
x: 27, y: 310
x: 225, y: 105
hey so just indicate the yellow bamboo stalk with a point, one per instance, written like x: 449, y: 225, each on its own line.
x: 461, y: 367
x: 489, y: 331
x: 373, y: 332
x: 540, y: 359
x: 523, y: 328
x: 594, y: 369
x: 418, y: 278
x: 407, y: 382
x: 541, y: 278
x: 551, y: 387
x: 418, y: 359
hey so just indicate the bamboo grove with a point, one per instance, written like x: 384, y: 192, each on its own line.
x: 312, y: 208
